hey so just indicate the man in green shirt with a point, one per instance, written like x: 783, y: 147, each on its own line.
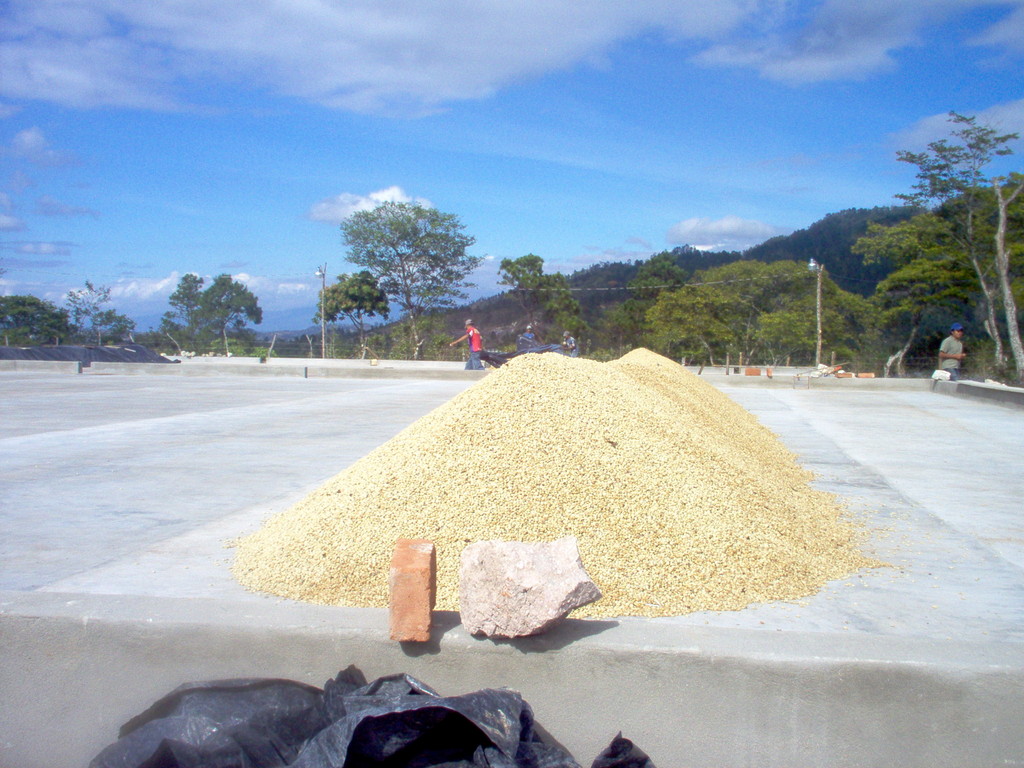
x: 951, y: 352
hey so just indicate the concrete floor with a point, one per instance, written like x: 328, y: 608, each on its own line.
x: 119, y: 492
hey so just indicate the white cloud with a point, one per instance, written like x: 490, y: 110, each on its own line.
x: 43, y: 249
x: 1004, y: 118
x: 10, y: 223
x: 402, y: 56
x: 843, y: 39
x: 335, y: 210
x: 727, y: 233
x: 144, y: 289
x: 412, y: 57
x: 48, y: 206
x: 284, y: 290
x: 31, y: 145
x: 19, y: 182
x: 1007, y: 33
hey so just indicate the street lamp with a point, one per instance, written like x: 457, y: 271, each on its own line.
x: 819, y: 269
x: 321, y: 272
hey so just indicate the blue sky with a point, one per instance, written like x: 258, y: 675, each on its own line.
x: 141, y: 141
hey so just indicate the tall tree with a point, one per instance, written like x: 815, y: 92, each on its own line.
x: 544, y: 298
x: 924, y: 280
x: 88, y: 318
x: 355, y: 297
x: 418, y: 256
x: 525, y: 277
x: 228, y: 304
x: 27, y: 320
x: 1007, y: 192
x: 952, y: 176
x: 184, y: 318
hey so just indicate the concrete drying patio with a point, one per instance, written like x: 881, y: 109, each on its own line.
x: 119, y: 492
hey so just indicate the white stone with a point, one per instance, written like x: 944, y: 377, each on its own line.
x: 515, y: 589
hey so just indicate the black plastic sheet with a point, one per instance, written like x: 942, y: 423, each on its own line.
x: 121, y: 353
x: 252, y: 723
x: 498, y: 359
x: 622, y: 753
x: 395, y: 722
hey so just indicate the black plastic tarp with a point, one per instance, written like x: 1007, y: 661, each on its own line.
x: 395, y: 721
x: 122, y: 353
x: 498, y: 359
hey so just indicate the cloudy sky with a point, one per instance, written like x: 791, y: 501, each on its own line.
x: 140, y: 141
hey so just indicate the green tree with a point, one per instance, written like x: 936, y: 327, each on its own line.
x: 918, y: 294
x: 1007, y: 191
x: 89, y: 320
x: 927, y: 281
x: 526, y: 279
x: 184, y: 318
x: 355, y: 297
x: 227, y: 305
x: 418, y: 256
x: 546, y: 299
x: 659, y: 273
x: 27, y: 320
x: 748, y: 309
x: 952, y: 176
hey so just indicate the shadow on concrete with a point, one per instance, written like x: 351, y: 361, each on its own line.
x: 560, y: 636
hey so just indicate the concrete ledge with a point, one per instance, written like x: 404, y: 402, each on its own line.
x: 365, y: 371
x: 699, y: 697
x: 385, y: 372
x: 42, y: 366
x: 819, y: 382
x: 184, y: 369
x: 1012, y: 397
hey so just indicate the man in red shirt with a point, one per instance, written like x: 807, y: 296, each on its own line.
x: 472, y: 336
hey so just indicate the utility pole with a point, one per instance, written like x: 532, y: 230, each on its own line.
x: 321, y: 272
x: 819, y: 269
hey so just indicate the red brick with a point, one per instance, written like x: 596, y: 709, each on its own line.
x: 752, y: 372
x: 412, y: 582
x: 865, y: 375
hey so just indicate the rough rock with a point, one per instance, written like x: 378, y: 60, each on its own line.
x: 515, y: 589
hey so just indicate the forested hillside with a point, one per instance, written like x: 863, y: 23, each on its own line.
x: 602, y: 287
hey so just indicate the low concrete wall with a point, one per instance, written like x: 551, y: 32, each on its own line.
x: 366, y: 371
x: 186, y: 369
x: 76, y: 667
x: 42, y: 366
x: 363, y: 371
x: 1012, y: 397
x: 819, y: 382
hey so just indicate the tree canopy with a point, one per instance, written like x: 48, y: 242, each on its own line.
x: 355, y: 297
x: 27, y: 321
x: 546, y: 299
x: 417, y: 255
x: 89, y: 321
x: 183, y: 323
x: 953, y: 175
x: 228, y: 305
x: 750, y: 309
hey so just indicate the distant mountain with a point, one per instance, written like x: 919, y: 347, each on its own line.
x: 828, y: 241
